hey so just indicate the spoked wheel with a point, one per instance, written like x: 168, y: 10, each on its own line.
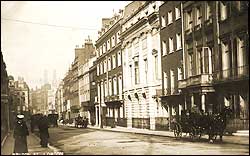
x: 177, y: 131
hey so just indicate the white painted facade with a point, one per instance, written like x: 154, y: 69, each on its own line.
x: 84, y: 85
x: 142, y: 57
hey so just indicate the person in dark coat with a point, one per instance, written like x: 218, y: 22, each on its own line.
x: 20, y: 134
x: 32, y: 123
x: 44, y: 132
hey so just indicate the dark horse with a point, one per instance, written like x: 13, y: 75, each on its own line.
x: 218, y: 123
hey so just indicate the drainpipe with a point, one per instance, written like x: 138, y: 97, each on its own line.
x: 183, y: 45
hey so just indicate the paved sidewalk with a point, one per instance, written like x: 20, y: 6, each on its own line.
x: 34, y: 147
x: 226, y: 139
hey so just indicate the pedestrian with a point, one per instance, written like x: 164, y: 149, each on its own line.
x: 32, y: 123
x: 44, y: 132
x: 20, y: 134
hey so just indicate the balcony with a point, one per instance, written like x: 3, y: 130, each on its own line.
x: 195, y: 80
x: 232, y: 74
x: 112, y: 98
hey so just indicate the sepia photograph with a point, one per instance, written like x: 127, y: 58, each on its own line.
x: 124, y: 78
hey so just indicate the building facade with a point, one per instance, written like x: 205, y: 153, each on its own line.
x: 215, y: 59
x: 110, y: 108
x: 88, y: 57
x: 5, y: 122
x: 142, y: 65
x: 172, y: 57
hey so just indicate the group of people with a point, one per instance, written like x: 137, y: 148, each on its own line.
x: 21, y: 132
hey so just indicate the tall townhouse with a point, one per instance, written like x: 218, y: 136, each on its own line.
x: 172, y: 58
x: 87, y: 58
x: 59, y: 100
x: 142, y: 64
x: 231, y: 74
x: 93, y: 93
x: 215, y: 59
x: 67, y: 95
x: 74, y: 88
x: 110, y: 108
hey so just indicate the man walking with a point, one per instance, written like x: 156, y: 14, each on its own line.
x: 44, y: 133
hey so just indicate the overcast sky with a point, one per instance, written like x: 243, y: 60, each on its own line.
x: 58, y: 26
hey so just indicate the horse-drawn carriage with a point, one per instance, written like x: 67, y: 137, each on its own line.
x: 83, y: 122
x: 197, y: 124
x: 53, y: 120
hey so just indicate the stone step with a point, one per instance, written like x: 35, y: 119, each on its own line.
x: 242, y: 133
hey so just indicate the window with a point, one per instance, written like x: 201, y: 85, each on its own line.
x: 110, y: 87
x: 156, y: 66
x: 101, y: 68
x: 98, y: 52
x: 171, y: 45
x: 118, y: 37
x: 223, y: 11
x: 106, y: 88
x: 120, y: 85
x: 131, y: 76
x: 165, y: 83
x: 104, y: 66
x: 208, y: 11
x: 104, y: 48
x: 172, y: 83
x: 205, y: 60
x: 97, y: 69
x: 102, y: 94
x: 136, y: 72
x: 101, y: 50
x: 198, y: 15
x: 164, y: 47
x: 199, y: 62
x: 190, y: 58
x: 130, y: 52
x: 146, y: 69
x: 225, y: 59
x: 113, y: 41
x: 170, y: 17
x: 242, y: 57
x: 178, y: 41
x: 109, y: 64
x: 108, y: 45
x: 119, y: 59
x: 115, y: 85
x: 163, y: 21
x: 144, y: 43
x: 177, y: 13
x: 114, y: 61
x: 189, y: 20
x: 179, y: 74
x: 98, y: 92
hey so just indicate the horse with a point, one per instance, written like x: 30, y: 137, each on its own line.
x: 218, y: 123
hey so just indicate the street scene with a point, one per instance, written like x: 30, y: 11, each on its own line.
x: 124, y: 78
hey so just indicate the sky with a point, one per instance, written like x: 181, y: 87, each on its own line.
x: 42, y: 35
